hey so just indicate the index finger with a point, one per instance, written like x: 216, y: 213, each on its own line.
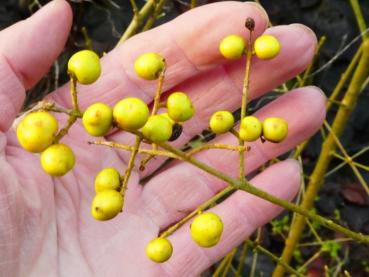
x: 189, y: 44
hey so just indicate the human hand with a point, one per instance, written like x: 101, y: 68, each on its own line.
x: 47, y: 228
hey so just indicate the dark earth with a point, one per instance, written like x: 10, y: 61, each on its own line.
x: 341, y: 198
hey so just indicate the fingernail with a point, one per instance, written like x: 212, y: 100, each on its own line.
x: 318, y: 89
x: 295, y: 164
x: 307, y: 30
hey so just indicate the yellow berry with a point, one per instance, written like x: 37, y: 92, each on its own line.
x: 221, y: 122
x: 149, y: 66
x: 180, y: 107
x: 166, y: 115
x: 206, y: 229
x: 107, y: 179
x: 267, y: 47
x: 106, y: 205
x: 275, y: 129
x: 37, y: 131
x: 232, y: 47
x: 176, y: 127
x: 250, y: 129
x: 85, y: 66
x: 131, y: 113
x: 159, y: 250
x: 157, y: 129
x: 57, y: 159
x: 98, y: 119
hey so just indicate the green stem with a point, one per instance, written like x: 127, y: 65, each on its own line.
x: 134, y: 8
x: 362, y: 151
x: 157, y: 10
x: 242, y: 259
x: 229, y: 262
x: 131, y: 148
x: 74, y: 115
x: 216, y: 146
x: 193, y: 4
x: 245, y: 92
x: 248, y: 187
x: 329, y: 146
x: 198, y: 210
x: 348, y: 158
x: 130, y: 166
x: 332, y: 98
x: 307, y: 72
x: 344, y: 77
x: 137, y: 21
x: 255, y: 255
x: 154, y: 112
x: 223, y: 264
x: 158, y: 92
x: 359, y: 17
x: 273, y: 257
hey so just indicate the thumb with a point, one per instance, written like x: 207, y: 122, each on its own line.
x: 27, y: 50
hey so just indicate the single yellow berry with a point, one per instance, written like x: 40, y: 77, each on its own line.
x: 131, y: 113
x: 98, y: 119
x: 221, y: 122
x: 149, y: 66
x: 57, y: 159
x: 267, y: 47
x: 37, y: 131
x: 159, y: 250
x: 107, y: 179
x: 180, y: 107
x: 106, y: 205
x: 250, y: 129
x: 232, y: 47
x: 85, y: 66
x: 275, y: 129
x: 157, y: 129
x: 177, y: 128
x: 206, y: 229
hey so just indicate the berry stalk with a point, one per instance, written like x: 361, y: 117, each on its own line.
x: 154, y: 111
x: 74, y: 115
x: 248, y: 187
x: 130, y: 166
x: 245, y: 92
x: 131, y: 148
x: 198, y: 210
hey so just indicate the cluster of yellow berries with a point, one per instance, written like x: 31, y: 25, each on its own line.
x: 206, y: 230
x: 108, y: 201
x: 266, y: 47
x: 38, y: 132
x: 272, y: 129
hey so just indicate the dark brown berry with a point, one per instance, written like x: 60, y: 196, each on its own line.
x: 177, y: 131
x: 250, y: 24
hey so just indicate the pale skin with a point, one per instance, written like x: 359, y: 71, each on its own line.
x: 46, y: 227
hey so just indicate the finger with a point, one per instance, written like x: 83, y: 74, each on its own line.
x: 27, y: 51
x: 169, y: 195
x: 221, y: 88
x: 189, y: 44
x: 241, y: 214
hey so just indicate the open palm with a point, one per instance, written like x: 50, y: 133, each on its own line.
x: 46, y: 228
